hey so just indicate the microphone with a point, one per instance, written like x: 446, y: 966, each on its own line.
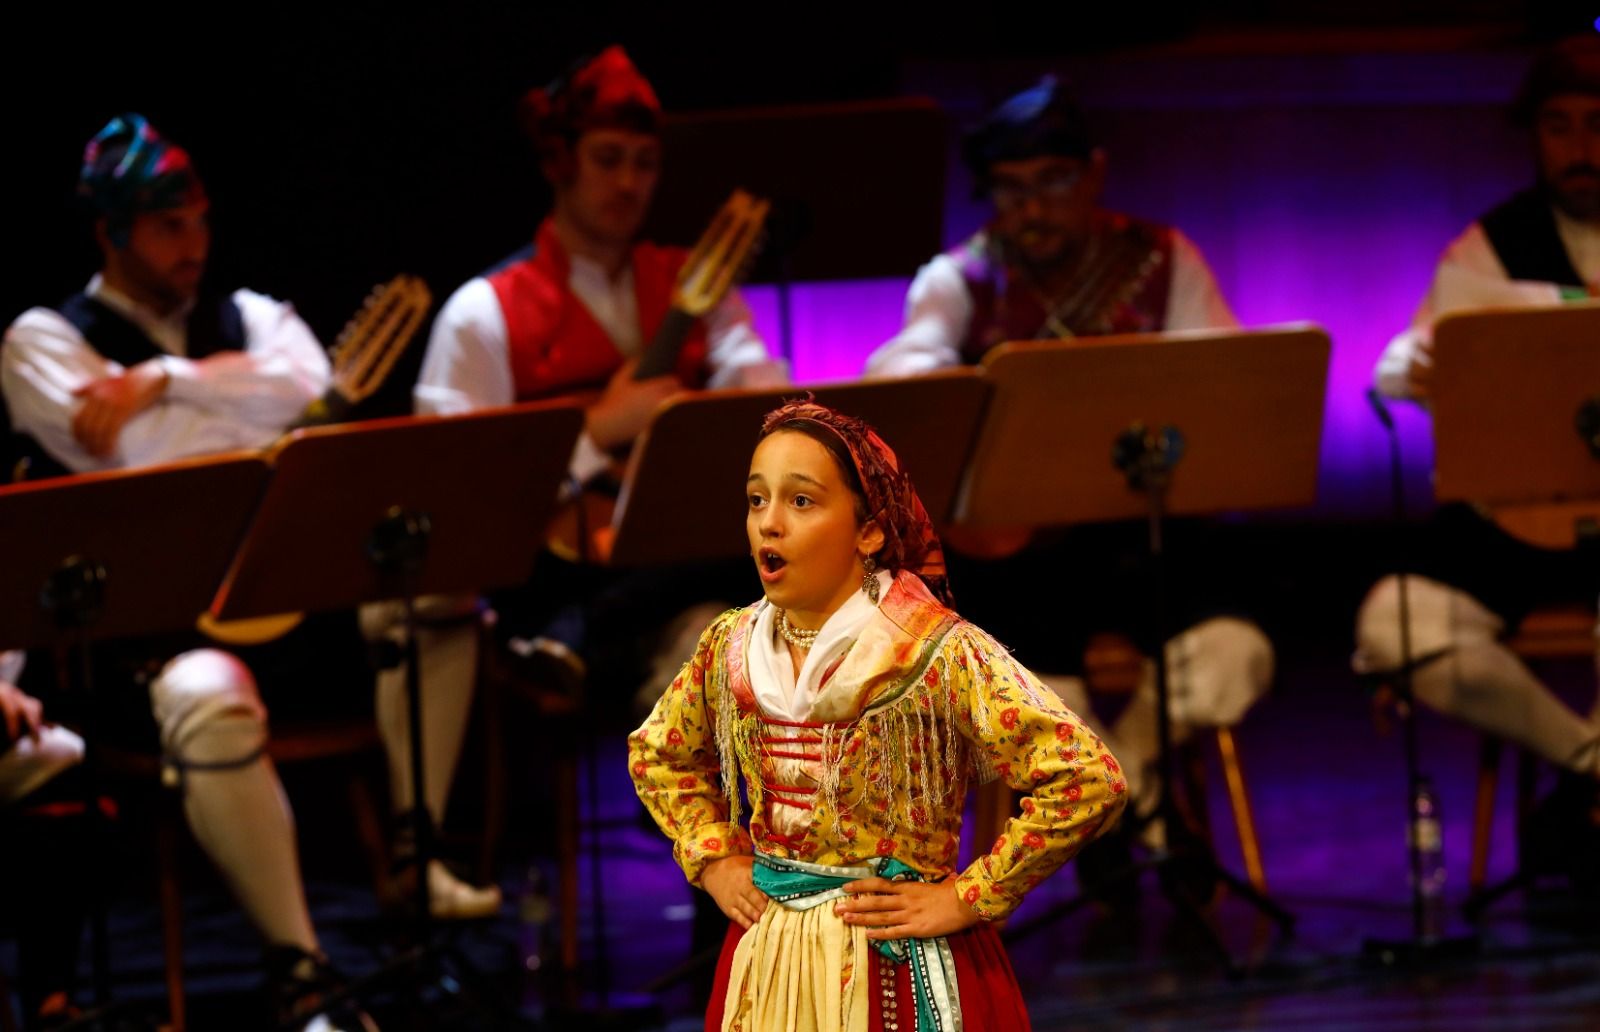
x: 1587, y: 423
x: 1143, y: 454
x: 74, y: 594
x: 1380, y: 408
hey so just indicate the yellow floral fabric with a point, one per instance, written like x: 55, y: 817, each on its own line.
x: 924, y: 703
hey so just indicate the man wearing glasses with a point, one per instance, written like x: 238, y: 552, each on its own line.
x: 1051, y: 263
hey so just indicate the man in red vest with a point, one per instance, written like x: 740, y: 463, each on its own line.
x: 573, y: 314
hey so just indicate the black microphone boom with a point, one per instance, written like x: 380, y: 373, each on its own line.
x: 1380, y: 408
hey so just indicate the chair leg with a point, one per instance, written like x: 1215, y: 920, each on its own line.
x: 369, y: 828
x: 568, y: 846
x: 492, y: 709
x: 1483, y: 811
x: 1527, y: 783
x: 171, y: 918
x: 1193, y: 800
x: 1243, y: 815
x: 8, y: 1020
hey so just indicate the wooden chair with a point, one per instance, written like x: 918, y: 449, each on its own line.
x: 1552, y: 632
x: 1114, y: 666
x: 351, y: 742
x: 8, y: 1021
x: 500, y: 679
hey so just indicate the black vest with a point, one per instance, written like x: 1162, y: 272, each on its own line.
x: 215, y: 325
x: 1523, y: 233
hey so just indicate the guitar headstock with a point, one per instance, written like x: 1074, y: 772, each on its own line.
x: 722, y: 255
x: 375, y: 338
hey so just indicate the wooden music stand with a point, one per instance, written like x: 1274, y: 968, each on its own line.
x: 1144, y: 426
x: 1249, y: 403
x: 699, y: 446
x: 133, y: 523
x: 487, y: 483
x: 1507, y: 389
x: 113, y: 555
x: 878, y: 214
x: 394, y: 509
x: 1516, y: 428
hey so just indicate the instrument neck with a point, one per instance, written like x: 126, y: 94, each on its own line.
x: 661, y: 356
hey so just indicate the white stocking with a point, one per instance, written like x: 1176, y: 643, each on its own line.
x: 1478, y: 680
x: 210, y: 714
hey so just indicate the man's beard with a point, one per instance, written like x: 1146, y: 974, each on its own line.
x: 1576, y: 191
x: 173, y: 293
x: 1063, y: 255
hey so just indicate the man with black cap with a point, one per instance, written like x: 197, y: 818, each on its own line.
x: 1475, y: 583
x: 1050, y: 264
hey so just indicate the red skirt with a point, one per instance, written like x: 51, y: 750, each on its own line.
x: 991, y: 1000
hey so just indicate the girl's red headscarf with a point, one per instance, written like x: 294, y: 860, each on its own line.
x: 909, y: 542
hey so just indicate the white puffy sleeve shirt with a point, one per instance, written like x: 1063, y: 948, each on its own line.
x: 230, y: 400
x: 1470, y: 275
x: 939, y: 312
x: 468, y: 362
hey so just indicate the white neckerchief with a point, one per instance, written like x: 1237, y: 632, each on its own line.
x: 778, y: 692
x: 612, y: 302
x: 169, y: 333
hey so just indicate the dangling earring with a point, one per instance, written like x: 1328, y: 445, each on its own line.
x: 869, y: 580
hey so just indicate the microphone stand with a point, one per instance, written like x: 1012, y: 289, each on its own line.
x: 1146, y: 457
x: 1423, y: 946
x: 428, y: 972
x: 74, y: 598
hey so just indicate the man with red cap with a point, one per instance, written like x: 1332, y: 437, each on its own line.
x: 574, y: 314
x: 1475, y: 583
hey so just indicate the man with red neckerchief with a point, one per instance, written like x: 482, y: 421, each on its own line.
x: 1053, y: 263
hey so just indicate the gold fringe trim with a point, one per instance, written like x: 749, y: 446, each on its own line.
x: 911, y: 753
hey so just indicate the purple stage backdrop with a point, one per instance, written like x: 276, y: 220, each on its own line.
x: 1321, y: 187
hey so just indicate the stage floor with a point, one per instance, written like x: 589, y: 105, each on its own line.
x: 1328, y: 796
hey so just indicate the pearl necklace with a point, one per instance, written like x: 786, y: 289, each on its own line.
x: 793, y: 635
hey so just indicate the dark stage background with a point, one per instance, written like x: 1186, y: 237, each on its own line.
x: 1321, y: 154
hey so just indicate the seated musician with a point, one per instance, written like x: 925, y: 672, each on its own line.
x: 146, y: 366
x: 1539, y: 247
x: 1052, y: 263
x: 44, y: 862
x: 574, y: 314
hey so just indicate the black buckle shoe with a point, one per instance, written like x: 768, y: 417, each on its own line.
x: 308, y: 995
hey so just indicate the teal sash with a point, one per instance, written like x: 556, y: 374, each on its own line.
x: 801, y: 886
